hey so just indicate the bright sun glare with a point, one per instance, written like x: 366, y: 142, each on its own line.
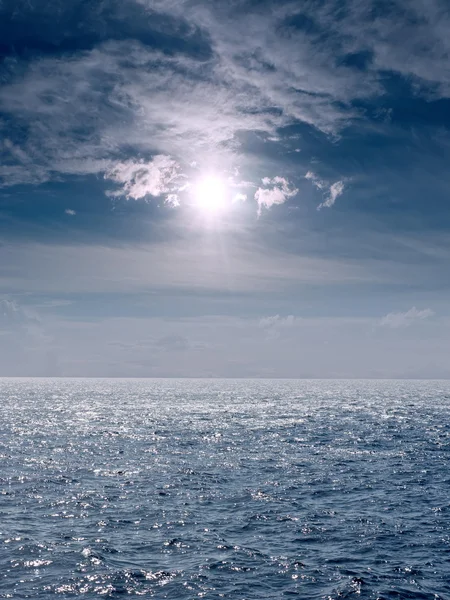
x: 210, y: 195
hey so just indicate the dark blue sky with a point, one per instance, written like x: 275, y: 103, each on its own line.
x: 243, y: 188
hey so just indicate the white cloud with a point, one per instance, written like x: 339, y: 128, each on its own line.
x: 315, y: 180
x: 264, y: 72
x: 409, y: 37
x: 405, y: 319
x: 277, y: 321
x: 139, y: 179
x: 333, y: 191
x: 10, y: 313
x: 275, y: 324
x: 173, y: 343
x: 13, y: 317
x: 156, y: 104
x: 172, y: 200
x: 336, y: 190
x: 81, y: 112
x: 225, y: 346
x: 275, y: 191
x: 24, y: 343
x: 70, y: 212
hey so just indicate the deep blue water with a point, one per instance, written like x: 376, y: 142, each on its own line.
x: 224, y: 489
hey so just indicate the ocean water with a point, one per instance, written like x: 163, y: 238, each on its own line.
x: 242, y: 489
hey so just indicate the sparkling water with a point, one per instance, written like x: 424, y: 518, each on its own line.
x: 236, y: 489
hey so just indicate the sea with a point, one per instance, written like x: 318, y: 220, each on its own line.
x: 235, y: 489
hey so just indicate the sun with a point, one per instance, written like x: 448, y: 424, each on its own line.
x: 210, y: 195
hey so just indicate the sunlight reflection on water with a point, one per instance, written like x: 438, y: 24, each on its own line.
x: 237, y: 489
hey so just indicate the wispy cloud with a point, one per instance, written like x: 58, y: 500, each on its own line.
x: 277, y: 321
x: 80, y: 114
x: 25, y: 345
x: 332, y: 192
x: 273, y: 325
x: 139, y: 179
x: 159, y: 80
x: 239, y: 197
x: 88, y: 97
x: 315, y: 180
x: 139, y: 99
x: 405, y: 319
x: 274, y: 191
x: 336, y: 190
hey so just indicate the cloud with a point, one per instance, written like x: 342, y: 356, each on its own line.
x: 80, y: 114
x: 70, y: 212
x: 229, y: 346
x: 173, y: 343
x: 316, y: 181
x: 405, y: 319
x: 275, y: 191
x: 277, y: 321
x: 333, y: 191
x: 405, y: 37
x: 336, y: 190
x: 94, y: 94
x: 274, y: 324
x: 13, y: 316
x: 153, y: 78
x: 139, y: 179
x: 25, y: 345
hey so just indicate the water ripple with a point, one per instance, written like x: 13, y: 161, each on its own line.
x: 224, y: 489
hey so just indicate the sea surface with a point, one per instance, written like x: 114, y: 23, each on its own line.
x: 235, y: 489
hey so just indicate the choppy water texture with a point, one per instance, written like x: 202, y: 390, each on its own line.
x: 224, y: 489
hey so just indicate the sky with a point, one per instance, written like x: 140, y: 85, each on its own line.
x: 200, y: 188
